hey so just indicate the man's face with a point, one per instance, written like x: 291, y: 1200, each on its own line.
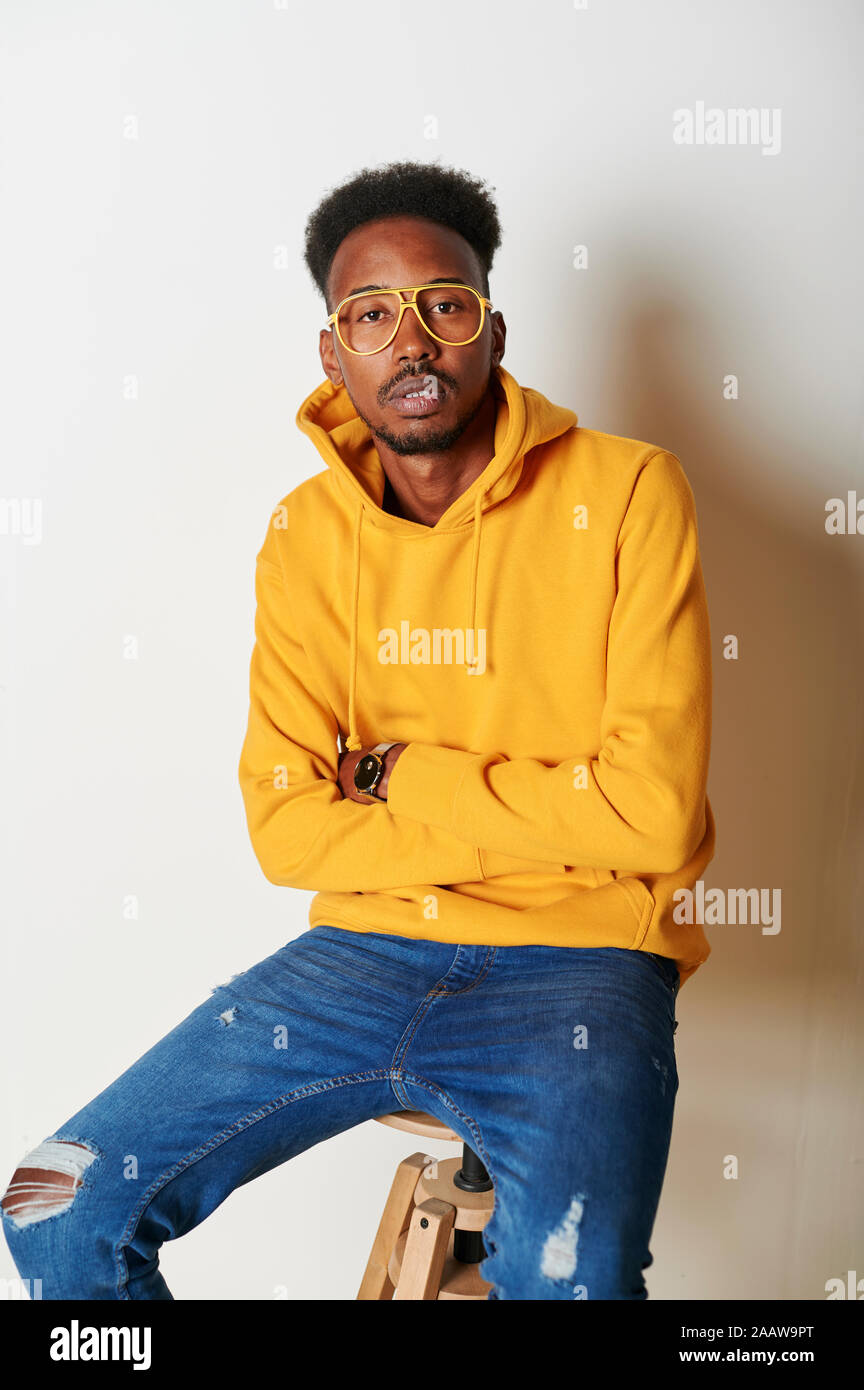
x: 392, y: 253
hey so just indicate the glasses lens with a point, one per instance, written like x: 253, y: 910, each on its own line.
x: 367, y: 321
x: 452, y: 312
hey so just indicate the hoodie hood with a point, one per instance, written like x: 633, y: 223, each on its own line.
x: 525, y: 419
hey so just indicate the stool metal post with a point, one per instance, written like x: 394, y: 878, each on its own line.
x: 472, y: 1177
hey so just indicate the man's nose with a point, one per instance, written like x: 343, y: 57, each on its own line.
x: 412, y: 339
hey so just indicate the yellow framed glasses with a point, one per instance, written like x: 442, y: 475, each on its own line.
x: 368, y: 321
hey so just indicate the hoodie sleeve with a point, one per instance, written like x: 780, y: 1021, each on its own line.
x: 638, y: 803
x: 304, y: 832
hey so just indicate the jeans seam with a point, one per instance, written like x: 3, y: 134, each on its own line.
x: 488, y: 961
x: 416, y: 1080
x: 437, y: 992
x: 479, y: 1146
x: 404, y: 1042
x: 310, y: 1088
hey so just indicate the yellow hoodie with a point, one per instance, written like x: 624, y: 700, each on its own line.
x: 544, y: 651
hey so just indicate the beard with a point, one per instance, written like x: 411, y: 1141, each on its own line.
x: 417, y: 438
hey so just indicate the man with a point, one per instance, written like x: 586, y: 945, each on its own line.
x: 503, y: 616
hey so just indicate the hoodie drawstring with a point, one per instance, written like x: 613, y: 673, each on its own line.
x: 475, y: 565
x: 354, y: 742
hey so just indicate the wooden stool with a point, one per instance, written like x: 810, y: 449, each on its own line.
x: 429, y: 1242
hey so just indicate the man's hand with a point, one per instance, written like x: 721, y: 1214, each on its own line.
x: 347, y: 763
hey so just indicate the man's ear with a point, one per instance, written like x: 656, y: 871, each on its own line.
x: 329, y: 360
x: 499, y: 335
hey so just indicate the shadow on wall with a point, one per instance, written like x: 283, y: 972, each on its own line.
x: 772, y: 1034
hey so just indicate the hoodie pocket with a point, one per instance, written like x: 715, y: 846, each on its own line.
x: 641, y: 900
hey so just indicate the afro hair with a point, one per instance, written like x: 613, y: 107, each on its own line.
x: 404, y: 188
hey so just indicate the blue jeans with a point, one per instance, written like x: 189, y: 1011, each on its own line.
x: 556, y: 1064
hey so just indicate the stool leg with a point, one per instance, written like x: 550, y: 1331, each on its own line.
x: 394, y: 1218
x: 425, y: 1250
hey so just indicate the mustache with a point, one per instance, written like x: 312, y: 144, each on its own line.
x: 443, y: 377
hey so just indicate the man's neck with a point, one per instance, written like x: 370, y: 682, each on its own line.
x: 420, y: 487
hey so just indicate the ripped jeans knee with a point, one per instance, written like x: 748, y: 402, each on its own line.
x: 46, y: 1180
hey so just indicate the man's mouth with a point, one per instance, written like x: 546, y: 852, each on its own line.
x: 417, y: 395
x: 427, y: 387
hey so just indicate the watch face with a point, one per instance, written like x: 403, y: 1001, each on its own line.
x: 366, y: 773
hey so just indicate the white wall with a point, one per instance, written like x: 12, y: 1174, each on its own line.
x: 155, y: 257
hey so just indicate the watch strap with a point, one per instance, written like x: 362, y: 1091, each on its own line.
x: 381, y: 749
